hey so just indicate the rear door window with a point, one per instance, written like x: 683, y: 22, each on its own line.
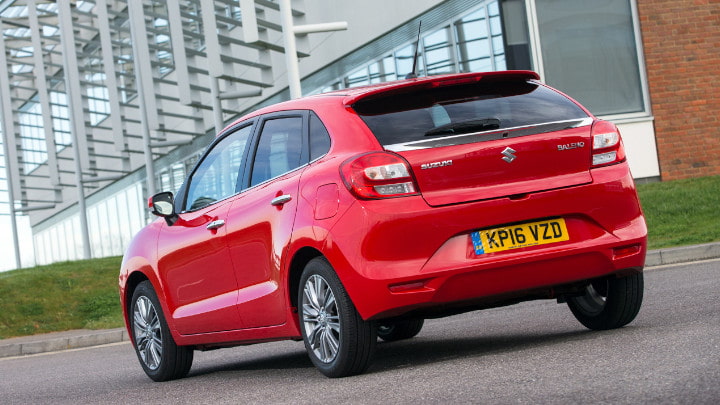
x: 279, y: 149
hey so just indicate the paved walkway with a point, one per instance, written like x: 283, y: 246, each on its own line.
x: 73, y: 339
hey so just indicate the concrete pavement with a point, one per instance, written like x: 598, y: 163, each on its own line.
x: 74, y: 339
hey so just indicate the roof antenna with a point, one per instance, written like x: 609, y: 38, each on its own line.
x: 413, y: 74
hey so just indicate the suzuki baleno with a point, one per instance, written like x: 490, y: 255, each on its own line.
x: 343, y: 217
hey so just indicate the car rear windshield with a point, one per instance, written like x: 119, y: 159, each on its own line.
x: 427, y: 114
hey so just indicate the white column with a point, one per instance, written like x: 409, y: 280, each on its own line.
x: 77, y: 119
x: 12, y: 171
x: 145, y: 87
x: 215, y: 64
x: 289, y: 32
x: 291, y: 60
x: 43, y: 94
x: 179, y: 55
x: 110, y: 78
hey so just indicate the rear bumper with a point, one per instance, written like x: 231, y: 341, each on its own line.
x: 417, y: 258
x: 496, y: 283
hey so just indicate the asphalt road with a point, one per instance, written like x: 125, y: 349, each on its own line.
x: 529, y: 353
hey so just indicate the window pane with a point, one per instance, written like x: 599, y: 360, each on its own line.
x: 357, y: 78
x: 217, y: 176
x: 438, y: 52
x: 385, y: 70
x: 279, y: 150
x: 586, y: 42
x: 473, y: 41
x: 124, y: 218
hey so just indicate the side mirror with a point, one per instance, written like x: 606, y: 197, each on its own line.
x: 163, y: 205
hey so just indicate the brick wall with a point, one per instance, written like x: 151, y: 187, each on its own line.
x: 682, y: 53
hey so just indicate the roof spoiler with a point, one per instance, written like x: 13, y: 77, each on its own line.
x: 438, y: 81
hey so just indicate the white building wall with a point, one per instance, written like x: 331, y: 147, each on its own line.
x: 639, y: 140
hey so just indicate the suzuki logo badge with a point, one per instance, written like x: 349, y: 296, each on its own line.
x: 509, y: 154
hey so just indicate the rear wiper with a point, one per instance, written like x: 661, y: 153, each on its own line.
x: 464, y: 127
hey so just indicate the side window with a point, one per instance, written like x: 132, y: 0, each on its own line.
x: 216, y: 177
x: 279, y: 149
x: 319, y: 138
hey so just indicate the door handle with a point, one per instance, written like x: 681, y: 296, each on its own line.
x: 281, y: 200
x: 215, y: 224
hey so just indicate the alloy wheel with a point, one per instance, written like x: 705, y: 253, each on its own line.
x: 148, y: 334
x: 321, y: 319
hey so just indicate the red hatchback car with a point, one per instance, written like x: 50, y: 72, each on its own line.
x: 347, y: 216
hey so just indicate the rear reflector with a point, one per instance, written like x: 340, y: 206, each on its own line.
x: 623, y: 251
x: 406, y: 287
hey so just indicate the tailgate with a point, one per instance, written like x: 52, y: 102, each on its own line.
x: 504, y: 136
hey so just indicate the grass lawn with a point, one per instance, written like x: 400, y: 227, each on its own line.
x: 61, y: 296
x: 84, y: 294
x: 682, y: 212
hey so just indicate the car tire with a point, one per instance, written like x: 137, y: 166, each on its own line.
x: 391, y: 331
x: 339, y: 342
x: 159, y: 355
x: 609, y: 303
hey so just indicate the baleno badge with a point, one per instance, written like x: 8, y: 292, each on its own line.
x: 573, y: 145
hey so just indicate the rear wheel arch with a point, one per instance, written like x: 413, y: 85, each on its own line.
x: 301, y: 258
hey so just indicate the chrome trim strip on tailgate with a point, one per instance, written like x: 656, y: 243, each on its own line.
x: 494, y: 134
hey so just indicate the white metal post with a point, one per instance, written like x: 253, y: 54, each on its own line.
x: 77, y: 121
x: 217, y: 103
x: 43, y: 94
x: 144, y: 85
x: 215, y: 64
x: 291, y: 60
x: 179, y: 55
x: 8, y: 131
x: 110, y: 78
x: 289, y: 32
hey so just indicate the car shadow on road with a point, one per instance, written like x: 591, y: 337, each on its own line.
x: 432, y: 349
x: 289, y: 360
x: 414, y: 352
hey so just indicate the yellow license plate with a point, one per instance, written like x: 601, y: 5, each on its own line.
x: 519, y: 236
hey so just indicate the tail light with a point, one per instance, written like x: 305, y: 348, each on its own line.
x: 378, y: 175
x: 607, y: 147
